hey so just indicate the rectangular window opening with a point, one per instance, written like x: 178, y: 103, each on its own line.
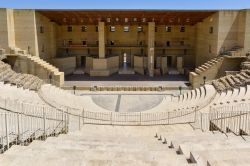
x: 139, y: 29
x: 84, y: 28
x: 112, y: 28
x: 126, y: 29
x: 41, y: 29
x: 168, y: 43
x: 70, y: 28
x: 70, y: 42
x: 182, y: 29
x: 84, y: 43
x: 211, y: 30
x: 168, y: 29
x: 112, y: 42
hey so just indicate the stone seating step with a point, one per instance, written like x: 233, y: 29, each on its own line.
x: 231, y: 162
x: 202, y: 157
x: 176, y: 141
x: 102, y: 158
x: 207, y: 144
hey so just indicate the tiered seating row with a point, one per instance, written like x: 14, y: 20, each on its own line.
x: 27, y: 81
x: 230, y: 82
x: 207, y: 148
x: 197, y: 98
x: 60, y: 98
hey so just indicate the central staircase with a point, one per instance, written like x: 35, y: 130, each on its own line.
x: 98, y: 145
x: 106, y: 145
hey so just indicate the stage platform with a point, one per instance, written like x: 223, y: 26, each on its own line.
x: 129, y: 82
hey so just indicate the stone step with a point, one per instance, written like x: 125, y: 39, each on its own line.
x: 162, y: 158
x: 204, y: 66
x: 210, y: 144
x: 208, y: 64
x: 231, y: 162
x: 176, y: 141
x: 88, y: 144
x: 202, y: 157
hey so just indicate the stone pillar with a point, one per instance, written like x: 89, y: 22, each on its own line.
x: 151, y: 48
x: 179, y: 64
x: 164, y: 65
x: 7, y: 29
x: 101, y: 37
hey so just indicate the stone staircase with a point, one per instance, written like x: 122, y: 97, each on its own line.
x: 132, y: 145
x: 57, y: 77
x: 99, y: 145
x: 230, y: 82
x: 209, y: 148
x: 37, y: 66
x: 208, y: 69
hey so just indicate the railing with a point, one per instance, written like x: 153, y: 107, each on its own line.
x: 235, y: 119
x: 21, y: 123
x: 139, y: 118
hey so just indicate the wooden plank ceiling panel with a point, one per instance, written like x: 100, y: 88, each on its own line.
x: 166, y: 17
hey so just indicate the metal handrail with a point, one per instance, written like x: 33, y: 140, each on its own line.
x: 57, y: 126
x: 21, y: 113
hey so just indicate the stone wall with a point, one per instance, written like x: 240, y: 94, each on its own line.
x: 247, y: 32
x: 26, y: 31
x: 228, y: 30
x: 139, y: 64
x: 77, y: 36
x: 7, y: 31
x: 66, y: 65
x: 205, y: 39
x: 46, y: 35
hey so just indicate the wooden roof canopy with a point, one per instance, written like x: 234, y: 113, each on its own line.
x: 126, y: 17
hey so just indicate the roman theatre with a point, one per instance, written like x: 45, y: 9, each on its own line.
x: 124, y: 87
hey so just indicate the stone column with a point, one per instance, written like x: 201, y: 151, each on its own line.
x: 101, y: 36
x: 151, y: 48
x: 179, y: 64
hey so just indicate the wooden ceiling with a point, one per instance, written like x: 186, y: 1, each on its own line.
x: 126, y: 17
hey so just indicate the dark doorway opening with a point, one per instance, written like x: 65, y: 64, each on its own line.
x: 169, y: 60
x: 83, y: 61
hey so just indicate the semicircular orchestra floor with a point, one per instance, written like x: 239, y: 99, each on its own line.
x: 127, y: 102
